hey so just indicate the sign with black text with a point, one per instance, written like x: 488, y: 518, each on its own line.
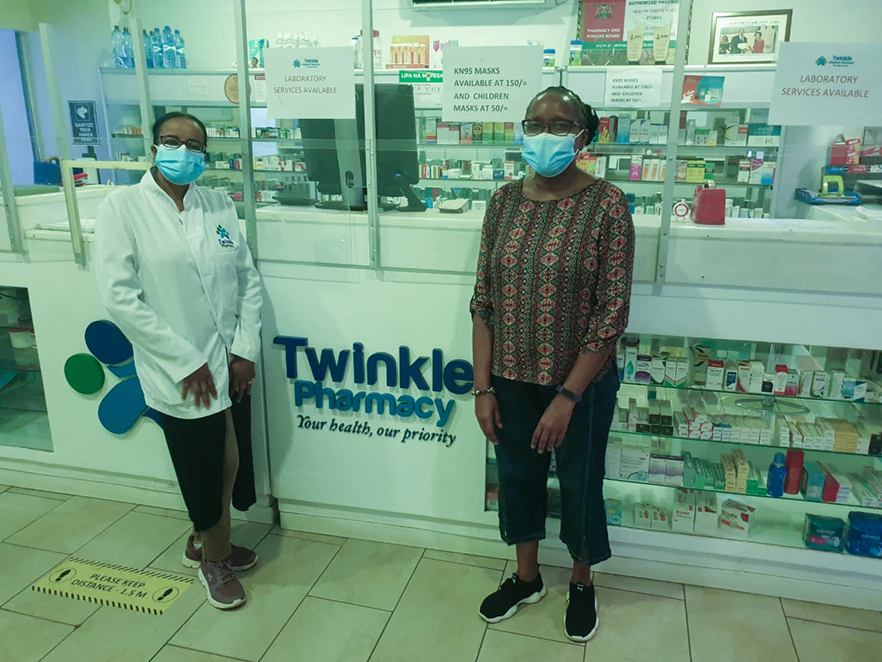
x: 828, y: 84
x: 628, y: 87
x: 310, y: 83
x: 486, y: 84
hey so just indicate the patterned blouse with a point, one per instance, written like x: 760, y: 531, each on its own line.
x: 554, y: 280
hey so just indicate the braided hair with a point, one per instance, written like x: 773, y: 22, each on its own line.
x: 588, y: 119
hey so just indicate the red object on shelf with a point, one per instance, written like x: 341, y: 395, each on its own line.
x: 709, y: 205
x: 795, y: 460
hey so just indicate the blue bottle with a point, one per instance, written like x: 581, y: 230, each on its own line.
x: 180, y: 56
x: 148, y: 49
x: 168, y: 48
x: 129, y: 49
x: 117, y: 42
x: 777, y: 475
x: 156, y: 45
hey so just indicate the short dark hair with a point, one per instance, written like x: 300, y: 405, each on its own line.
x: 157, y: 125
x: 587, y: 116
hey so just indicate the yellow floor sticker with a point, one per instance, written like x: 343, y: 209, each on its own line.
x: 144, y: 591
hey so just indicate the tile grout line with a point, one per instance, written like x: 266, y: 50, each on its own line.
x: 302, y: 600
x: 467, y: 565
x: 404, y: 590
x: 481, y: 645
x: 789, y: 631
x: 351, y: 604
x: 832, y: 625
x: 688, y: 631
x: 29, y: 523
x: 41, y: 618
x: 536, y: 636
x: 133, y: 506
x: 195, y: 650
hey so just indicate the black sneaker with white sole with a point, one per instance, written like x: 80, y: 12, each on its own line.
x: 512, y: 593
x: 580, y: 621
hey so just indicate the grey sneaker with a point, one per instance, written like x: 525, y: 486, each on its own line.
x: 223, y: 589
x: 240, y: 559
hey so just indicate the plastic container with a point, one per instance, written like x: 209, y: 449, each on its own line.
x: 181, y: 56
x: 128, y: 49
x: 777, y: 476
x: 576, y: 52
x: 156, y: 46
x: 148, y: 49
x: 548, y: 57
x: 794, y: 461
x: 168, y: 48
x: 117, y: 42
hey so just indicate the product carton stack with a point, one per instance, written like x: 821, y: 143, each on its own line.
x: 737, y: 519
x: 837, y: 486
x: 683, y: 515
x: 706, y: 513
x: 867, y: 487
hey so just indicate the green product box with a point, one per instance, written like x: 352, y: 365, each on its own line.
x: 488, y: 132
x: 688, y: 470
x: 499, y: 132
x: 699, y: 478
x: 477, y: 132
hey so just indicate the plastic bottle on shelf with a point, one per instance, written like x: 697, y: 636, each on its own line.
x: 180, y: 55
x: 117, y: 42
x: 128, y: 49
x: 148, y: 48
x: 156, y: 49
x: 289, y: 40
x: 168, y: 48
x: 280, y: 41
x: 777, y: 476
x: 794, y: 461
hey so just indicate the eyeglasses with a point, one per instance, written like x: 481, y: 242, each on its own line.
x: 195, y: 146
x: 556, y: 128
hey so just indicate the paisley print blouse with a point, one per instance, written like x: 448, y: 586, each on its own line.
x: 554, y: 279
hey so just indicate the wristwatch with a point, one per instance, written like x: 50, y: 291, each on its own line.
x: 569, y: 395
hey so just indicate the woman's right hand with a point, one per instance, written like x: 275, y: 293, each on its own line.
x: 489, y: 418
x: 201, y: 383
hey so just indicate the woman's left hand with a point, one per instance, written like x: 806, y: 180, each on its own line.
x: 549, y: 434
x: 241, y: 376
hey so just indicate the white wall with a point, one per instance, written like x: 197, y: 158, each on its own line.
x: 15, y: 119
x: 16, y: 15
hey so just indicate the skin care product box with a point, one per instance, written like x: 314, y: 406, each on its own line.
x: 643, y: 515
x: 780, y: 387
x: 645, y: 131
x: 683, y: 515
x: 716, y: 373
x: 623, y: 131
x: 643, y: 369
x: 657, y: 465
x: 636, y: 172
x: 660, y: 520
x: 736, y: 519
x: 706, y: 513
x: 813, y: 482
x: 634, y: 133
x: 613, y: 512
x: 819, y: 384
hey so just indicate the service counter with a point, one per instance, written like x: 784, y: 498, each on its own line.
x: 366, y: 371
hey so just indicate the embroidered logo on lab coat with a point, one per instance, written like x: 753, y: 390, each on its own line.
x: 223, y: 238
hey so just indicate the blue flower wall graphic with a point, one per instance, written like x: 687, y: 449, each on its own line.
x: 124, y: 404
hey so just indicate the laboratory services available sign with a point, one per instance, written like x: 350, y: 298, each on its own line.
x: 310, y: 83
x: 828, y: 84
x: 490, y: 84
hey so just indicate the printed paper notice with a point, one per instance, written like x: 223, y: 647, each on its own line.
x: 490, y: 84
x: 629, y: 87
x: 828, y: 84
x: 310, y: 83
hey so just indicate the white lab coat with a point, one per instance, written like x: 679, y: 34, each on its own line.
x: 181, y: 286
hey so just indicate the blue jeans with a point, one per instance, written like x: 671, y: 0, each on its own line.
x: 581, y: 459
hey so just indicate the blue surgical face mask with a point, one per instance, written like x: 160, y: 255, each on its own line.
x: 550, y: 155
x: 178, y: 164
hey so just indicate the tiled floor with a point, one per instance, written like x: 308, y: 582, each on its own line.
x: 326, y: 599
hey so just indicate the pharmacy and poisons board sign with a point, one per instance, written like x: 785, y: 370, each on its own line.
x: 828, y: 84
x: 490, y: 84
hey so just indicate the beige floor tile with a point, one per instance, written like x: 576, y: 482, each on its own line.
x: 133, y: 541
x: 508, y: 647
x: 325, y: 631
x: 71, y: 525
x: 164, y: 512
x: 861, y: 619
x: 52, y: 607
x: 636, y: 626
x: 117, y: 635
x: 758, y: 615
x: 19, y: 510
x: 20, y: 567
x: 28, y: 639
x: 176, y: 654
x: 288, y: 568
x: 437, y: 619
x: 370, y: 574
x: 315, y: 537
x: 244, y: 534
x: 58, y: 496
x: 817, y: 642
x: 638, y: 585
x: 545, y: 618
x: 466, y: 559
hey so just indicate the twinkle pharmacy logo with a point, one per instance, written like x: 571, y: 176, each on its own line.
x: 224, y: 238
x: 821, y: 61
x: 124, y: 404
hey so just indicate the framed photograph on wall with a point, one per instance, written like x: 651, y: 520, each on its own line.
x: 748, y: 37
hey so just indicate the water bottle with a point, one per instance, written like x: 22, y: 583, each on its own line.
x: 156, y: 46
x: 280, y: 41
x: 180, y: 56
x: 290, y: 41
x: 168, y: 48
x: 148, y: 49
x: 129, y: 49
x: 777, y: 474
x: 117, y: 43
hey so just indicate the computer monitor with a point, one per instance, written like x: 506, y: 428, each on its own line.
x: 335, y: 152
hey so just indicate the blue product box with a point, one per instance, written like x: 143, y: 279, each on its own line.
x: 826, y: 534
x: 813, y: 480
x: 864, y: 535
x: 613, y: 512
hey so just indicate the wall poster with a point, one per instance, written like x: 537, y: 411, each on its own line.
x: 628, y: 32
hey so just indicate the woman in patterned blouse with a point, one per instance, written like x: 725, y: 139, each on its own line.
x: 550, y: 302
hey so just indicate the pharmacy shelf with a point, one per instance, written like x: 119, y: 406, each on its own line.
x: 481, y: 146
x: 726, y: 150
x: 465, y: 183
x: 743, y: 394
x: 728, y: 183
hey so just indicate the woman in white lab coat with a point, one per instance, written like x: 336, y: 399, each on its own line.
x: 178, y: 279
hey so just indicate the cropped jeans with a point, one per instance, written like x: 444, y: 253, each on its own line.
x: 581, y: 458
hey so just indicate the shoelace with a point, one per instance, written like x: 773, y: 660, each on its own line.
x: 224, y: 572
